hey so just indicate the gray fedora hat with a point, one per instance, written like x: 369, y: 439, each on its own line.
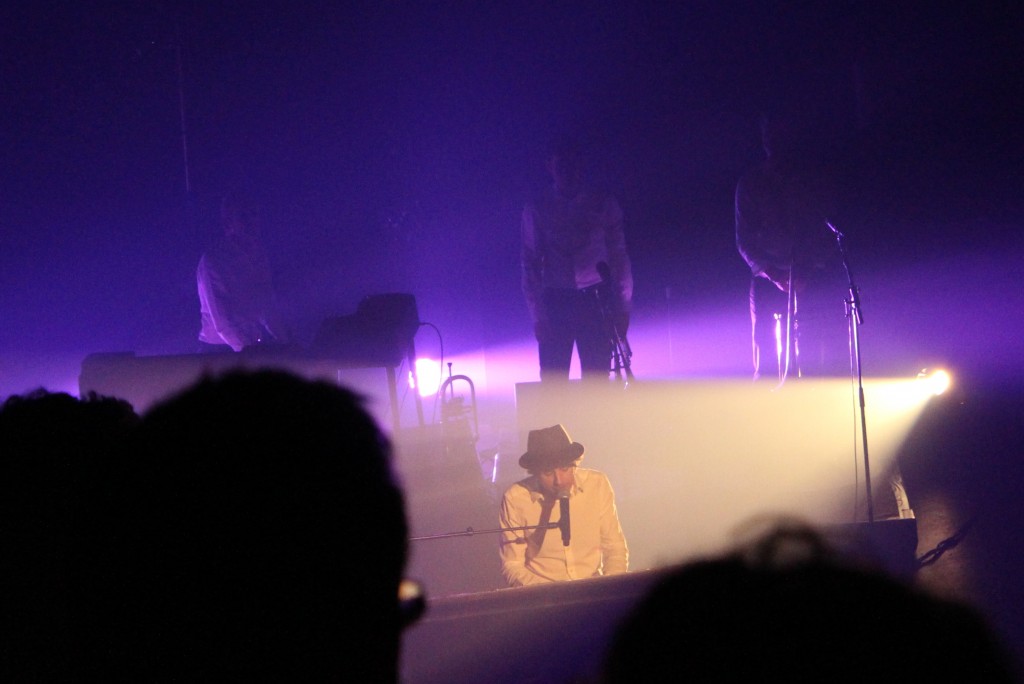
x: 550, y: 448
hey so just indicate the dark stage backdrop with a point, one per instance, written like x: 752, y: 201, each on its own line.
x: 393, y: 145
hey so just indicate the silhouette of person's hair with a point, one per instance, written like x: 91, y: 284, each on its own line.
x: 240, y: 205
x: 788, y: 609
x: 270, y: 535
x: 59, y: 465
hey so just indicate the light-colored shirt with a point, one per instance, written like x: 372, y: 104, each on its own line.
x: 236, y: 296
x: 563, y: 241
x: 597, y: 545
x: 781, y: 220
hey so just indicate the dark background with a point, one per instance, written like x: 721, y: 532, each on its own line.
x: 393, y: 145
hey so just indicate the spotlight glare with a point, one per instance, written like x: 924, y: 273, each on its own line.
x: 937, y: 381
x: 428, y: 373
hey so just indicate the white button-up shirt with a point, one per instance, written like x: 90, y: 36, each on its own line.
x: 597, y: 545
x: 563, y: 240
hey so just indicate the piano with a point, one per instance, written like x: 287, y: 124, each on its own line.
x: 555, y: 632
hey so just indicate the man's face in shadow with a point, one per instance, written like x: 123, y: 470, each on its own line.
x: 557, y: 482
x: 566, y: 169
x: 241, y: 219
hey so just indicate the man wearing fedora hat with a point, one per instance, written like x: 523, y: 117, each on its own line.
x: 591, y: 542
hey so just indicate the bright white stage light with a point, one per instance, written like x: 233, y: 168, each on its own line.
x: 428, y: 372
x: 936, y: 382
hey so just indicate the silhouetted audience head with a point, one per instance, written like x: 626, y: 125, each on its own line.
x: 270, y: 535
x: 59, y: 470
x: 786, y: 608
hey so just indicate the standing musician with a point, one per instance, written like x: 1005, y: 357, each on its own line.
x: 796, y: 291
x: 566, y: 233
x: 237, y: 303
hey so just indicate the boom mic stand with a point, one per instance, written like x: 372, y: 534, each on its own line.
x: 469, y: 531
x: 621, y: 353
x: 856, y: 319
x: 611, y: 315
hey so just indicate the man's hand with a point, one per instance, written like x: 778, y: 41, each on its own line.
x: 779, y: 277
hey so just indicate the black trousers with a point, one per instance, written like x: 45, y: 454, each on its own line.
x: 575, y: 317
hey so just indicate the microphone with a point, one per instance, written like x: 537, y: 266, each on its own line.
x: 563, y: 522
x: 834, y: 230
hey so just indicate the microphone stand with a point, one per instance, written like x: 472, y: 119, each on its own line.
x: 469, y: 531
x: 856, y: 319
x: 622, y: 353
